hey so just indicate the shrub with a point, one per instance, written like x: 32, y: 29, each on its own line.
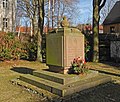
x: 87, y: 48
x: 32, y: 48
x: 11, y: 47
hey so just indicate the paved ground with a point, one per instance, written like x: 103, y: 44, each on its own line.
x: 109, y: 92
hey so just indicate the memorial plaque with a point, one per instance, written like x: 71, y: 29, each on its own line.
x: 54, y: 50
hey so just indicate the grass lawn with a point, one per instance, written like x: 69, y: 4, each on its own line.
x: 13, y: 93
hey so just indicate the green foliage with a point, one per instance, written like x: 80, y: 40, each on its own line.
x: 11, y: 47
x: 43, y: 52
x: 87, y: 47
x: 32, y: 48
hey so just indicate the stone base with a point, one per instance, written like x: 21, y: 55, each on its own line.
x: 59, y: 69
x: 64, y: 84
x: 64, y: 78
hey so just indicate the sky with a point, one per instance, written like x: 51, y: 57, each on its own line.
x: 83, y: 14
x: 85, y: 10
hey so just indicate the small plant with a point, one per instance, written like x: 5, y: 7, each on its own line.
x: 78, y: 66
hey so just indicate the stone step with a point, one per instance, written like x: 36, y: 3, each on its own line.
x: 63, y: 78
x: 42, y: 83
x: 33, y: 88
x: 88, y: 83
x: 63, y: 90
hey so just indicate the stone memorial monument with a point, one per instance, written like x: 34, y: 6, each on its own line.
x: 62, y: 46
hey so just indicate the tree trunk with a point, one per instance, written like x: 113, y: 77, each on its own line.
x: 97, y: 6
x: 95, y: 31
x: 40, y: 28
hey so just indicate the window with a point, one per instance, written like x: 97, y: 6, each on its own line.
x: 5, y: 3
x: 112, y: 29
x: 5, y: 22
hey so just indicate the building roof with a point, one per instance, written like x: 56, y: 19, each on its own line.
x: 23, y: 29
x: 114, y: 15
x: 88, y: 27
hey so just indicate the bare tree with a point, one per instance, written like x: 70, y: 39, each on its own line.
x: 40, y: 29
x: 34, y: 10
x: 29, y: 10
x: 63, y: 7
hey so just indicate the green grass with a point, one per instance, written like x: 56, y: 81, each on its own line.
x: 14, y: 93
